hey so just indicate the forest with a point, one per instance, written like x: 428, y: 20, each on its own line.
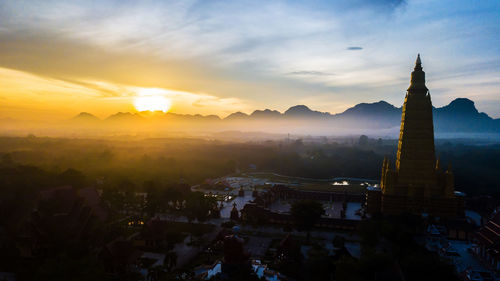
x: 108, y: 162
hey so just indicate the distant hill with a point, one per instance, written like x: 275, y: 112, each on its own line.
x: 370, y: 115
x: 151, y: 114
x: 302, y: 111
x: 379, y: 109
x: 237, y: 116
x: 267, y: 113
x: 125, y: 116
x: 85, y: 116
x: 189, y: 117
x: 460, y: 115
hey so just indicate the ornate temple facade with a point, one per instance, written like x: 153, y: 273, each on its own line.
x: 418, y: 183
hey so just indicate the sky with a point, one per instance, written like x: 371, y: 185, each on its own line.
x: 59, y: 58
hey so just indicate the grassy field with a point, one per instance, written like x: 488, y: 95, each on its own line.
x: 350, y: 189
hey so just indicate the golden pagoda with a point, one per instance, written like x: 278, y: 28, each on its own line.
x: 417, y: 184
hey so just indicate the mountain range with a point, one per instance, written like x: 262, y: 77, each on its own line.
x: 460, y: 115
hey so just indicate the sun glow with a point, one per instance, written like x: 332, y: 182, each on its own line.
x: 152, y: 103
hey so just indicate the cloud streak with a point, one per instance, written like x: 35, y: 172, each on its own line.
x: 310, y: 72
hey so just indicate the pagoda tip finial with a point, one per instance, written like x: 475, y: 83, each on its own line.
x: 418, y: 59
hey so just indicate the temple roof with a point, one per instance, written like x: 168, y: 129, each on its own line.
x: 489, y: 235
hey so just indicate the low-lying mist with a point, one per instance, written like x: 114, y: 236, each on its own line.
x: 111, y: 160
x: 234, y: 130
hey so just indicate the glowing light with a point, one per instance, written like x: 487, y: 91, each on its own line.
x: 152, y: 103
x: 341, y: 183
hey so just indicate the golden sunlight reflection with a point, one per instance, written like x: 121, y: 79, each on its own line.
x: 151, y: 101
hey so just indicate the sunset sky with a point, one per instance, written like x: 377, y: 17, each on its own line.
x: 58, y: 58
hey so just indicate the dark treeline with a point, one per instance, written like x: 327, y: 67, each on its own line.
x: 193, y: 160
x: 43, y: 239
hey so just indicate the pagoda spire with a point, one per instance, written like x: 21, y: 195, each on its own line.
x: 417, y: 83
x: 418, y: 62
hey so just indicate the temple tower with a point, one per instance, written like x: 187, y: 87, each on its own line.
x: 417, y: 184
x: 416, y: 161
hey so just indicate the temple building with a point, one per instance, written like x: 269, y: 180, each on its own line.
x: 418, y: 183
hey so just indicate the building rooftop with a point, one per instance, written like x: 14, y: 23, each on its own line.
x: 373, y: 188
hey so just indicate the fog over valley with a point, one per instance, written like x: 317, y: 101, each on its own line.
x: 459, y: 119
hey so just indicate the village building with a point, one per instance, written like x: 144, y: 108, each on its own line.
x: 488, y: 242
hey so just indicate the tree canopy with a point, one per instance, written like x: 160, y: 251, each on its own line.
x: 306, y: 214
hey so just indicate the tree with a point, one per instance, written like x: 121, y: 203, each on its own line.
x: 363, y: 140
x: 73, y: 177
x: 128, y: 188
x: 306, y: 213
x: 319, y: 265
x: 198, y: 206
x: 349, y: 269
x: 113, y: 198
x: 7, y: 160
x: 154, y: 200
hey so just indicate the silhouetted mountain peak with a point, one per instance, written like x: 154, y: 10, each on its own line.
x: 212, y: 117
x: 85, y: 116
x: 461, y: 115
x: 376, y: 108
x: 126, y: 116
x: 237, y: 115
x: 150, y: 114
x: 304, y: 112
x: 298, y: 109
x: 266, y: 113
x: 461, y: 106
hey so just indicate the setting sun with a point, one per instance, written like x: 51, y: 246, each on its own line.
x: 152, y: 103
